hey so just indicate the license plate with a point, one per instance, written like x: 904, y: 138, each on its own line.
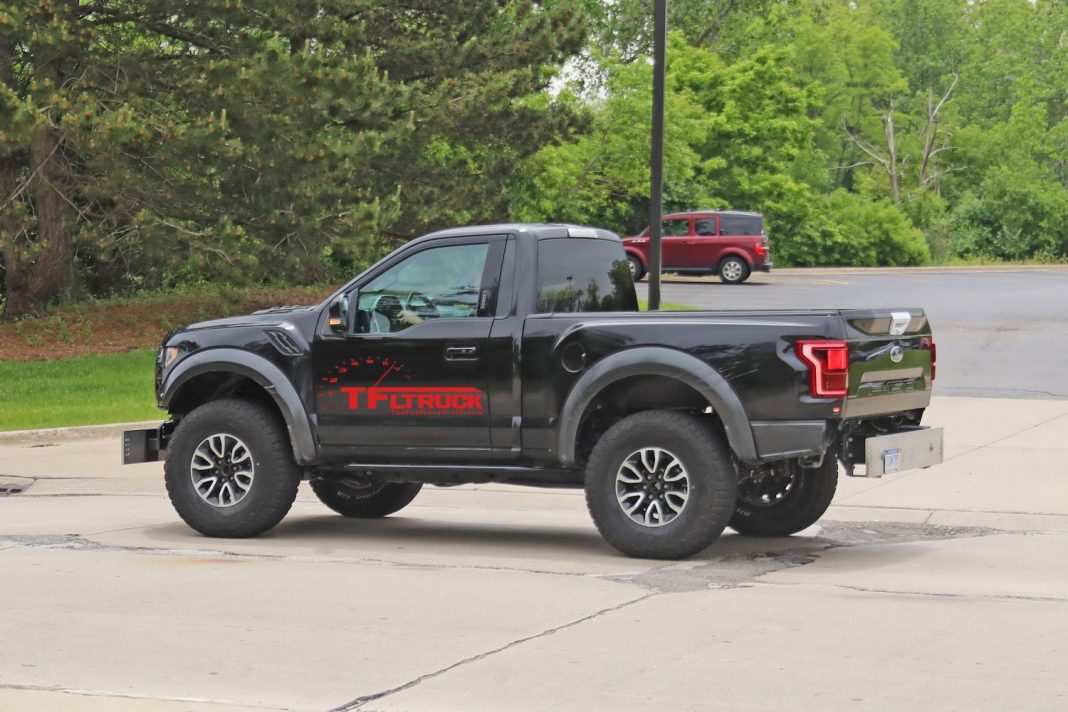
x: 891, y: 461
x: 907, y: 450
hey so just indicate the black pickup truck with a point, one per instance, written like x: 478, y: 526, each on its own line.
x: 516, y: 353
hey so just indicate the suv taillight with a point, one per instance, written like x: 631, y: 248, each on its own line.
x: 828, y: 367
x: 761, y: 249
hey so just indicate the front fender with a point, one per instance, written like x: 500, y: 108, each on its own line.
x: 657, y: 361
x: 259, y: 370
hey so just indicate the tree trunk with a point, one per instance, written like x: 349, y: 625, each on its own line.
x: 38, y: 270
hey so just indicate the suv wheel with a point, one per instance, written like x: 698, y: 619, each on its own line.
x: 230, y: 471
x: 784, y: 500
x: 637, y: 271
x: 365, y: 500
x: 660, y: 485
x: 733, y: 270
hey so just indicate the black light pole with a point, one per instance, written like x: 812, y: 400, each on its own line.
x: 656, y: 177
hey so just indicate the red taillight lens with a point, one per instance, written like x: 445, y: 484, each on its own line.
x: 828, y: 367
x: 928, y: 344
x: 761, y: 249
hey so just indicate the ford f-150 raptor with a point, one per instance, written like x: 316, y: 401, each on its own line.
x: 517, y: 353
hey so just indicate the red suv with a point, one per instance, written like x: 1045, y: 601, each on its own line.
x: 729, y: 243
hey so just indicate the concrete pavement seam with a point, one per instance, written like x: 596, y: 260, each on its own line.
x: 1006, y: 597
x: 360, y: 701
x: 126, y: 696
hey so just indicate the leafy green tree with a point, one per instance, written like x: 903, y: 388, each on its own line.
x: 240, y: 141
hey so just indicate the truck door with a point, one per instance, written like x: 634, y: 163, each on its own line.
x: 408, y: 375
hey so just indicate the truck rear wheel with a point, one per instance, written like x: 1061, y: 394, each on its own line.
x: 660, y: 485
x: 783, y: 500
x: 365, y: 500
x: 230, y: 470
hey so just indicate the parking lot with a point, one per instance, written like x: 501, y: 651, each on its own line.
x: 937, y: 589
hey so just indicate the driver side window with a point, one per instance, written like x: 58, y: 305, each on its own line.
x: 439, y: 283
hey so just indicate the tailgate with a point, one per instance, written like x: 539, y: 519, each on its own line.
x: 891, y: 359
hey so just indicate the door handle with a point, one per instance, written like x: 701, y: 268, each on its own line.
x: 461, y: 352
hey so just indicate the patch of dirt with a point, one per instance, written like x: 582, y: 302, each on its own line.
x: 124, y: 325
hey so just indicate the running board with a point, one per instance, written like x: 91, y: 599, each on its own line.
x: 456, y: 474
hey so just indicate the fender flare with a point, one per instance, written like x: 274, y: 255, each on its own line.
x: 262, y: 372
x: 657, y: 361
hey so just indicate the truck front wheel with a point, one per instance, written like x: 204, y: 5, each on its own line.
x: 365, y: 500
x: 784, y: 499
x: 230, y: 470
x: 660, y: 485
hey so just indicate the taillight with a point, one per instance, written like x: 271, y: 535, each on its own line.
x: 929, y: 344
x: 761, y: 249
x: 828, y: 367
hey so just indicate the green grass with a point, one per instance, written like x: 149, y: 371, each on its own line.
x: 665, y: 306
x: 87, y: 390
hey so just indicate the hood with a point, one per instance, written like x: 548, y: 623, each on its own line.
x: 265, y: 317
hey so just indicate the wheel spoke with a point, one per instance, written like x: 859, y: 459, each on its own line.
x: 222, y: 470
x: 652, y: 487
x: 635, y: 477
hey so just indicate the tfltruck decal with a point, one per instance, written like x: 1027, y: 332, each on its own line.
x: 339, y: 392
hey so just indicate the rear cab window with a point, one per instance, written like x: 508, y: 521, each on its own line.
x: 583, y: 275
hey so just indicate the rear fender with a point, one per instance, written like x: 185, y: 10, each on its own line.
x: 656, y: 361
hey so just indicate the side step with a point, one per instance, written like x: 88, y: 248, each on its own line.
x: 456, y: 474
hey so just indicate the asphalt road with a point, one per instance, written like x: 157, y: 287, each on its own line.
x: 1001, y: 333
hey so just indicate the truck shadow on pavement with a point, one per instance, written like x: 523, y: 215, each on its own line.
x: 731, y: 561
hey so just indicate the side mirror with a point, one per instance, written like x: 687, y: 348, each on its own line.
x: 338, y: 314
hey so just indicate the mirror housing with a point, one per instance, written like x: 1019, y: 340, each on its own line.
x: 337, y: 316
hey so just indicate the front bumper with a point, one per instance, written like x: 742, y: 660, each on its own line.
x: 146, y: 445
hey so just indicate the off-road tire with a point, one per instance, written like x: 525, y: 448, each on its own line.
x: 733, y: 270
x: 799, y: 509
x: 351, y: 499
x: 273, y: 488
x: 636, y: 267
x: 700, y: 446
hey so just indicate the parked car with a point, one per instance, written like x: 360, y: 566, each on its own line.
x: 516, y: 353
x: 729, y: 243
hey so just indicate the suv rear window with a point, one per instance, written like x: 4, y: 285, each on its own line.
x: 741, y: 225
x: 583, y: 275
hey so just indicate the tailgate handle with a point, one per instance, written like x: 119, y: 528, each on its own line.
x: 899, y: 321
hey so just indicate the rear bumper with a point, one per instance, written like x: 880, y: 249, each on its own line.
x: 147, y: 445
x: 913, y: 448
x: 763, y: 267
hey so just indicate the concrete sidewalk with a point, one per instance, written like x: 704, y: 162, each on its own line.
x: 935, y: 589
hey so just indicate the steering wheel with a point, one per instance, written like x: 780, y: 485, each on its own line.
x: 427, y: 307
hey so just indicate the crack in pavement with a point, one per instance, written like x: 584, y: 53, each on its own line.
x: 360, y: 701
x: 77, y: 542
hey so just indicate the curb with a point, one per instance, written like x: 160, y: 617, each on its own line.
x: 77, y: 432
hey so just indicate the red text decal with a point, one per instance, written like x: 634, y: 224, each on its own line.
x: 463, y: 400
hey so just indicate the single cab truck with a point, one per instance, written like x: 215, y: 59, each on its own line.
x: 516, y: 353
